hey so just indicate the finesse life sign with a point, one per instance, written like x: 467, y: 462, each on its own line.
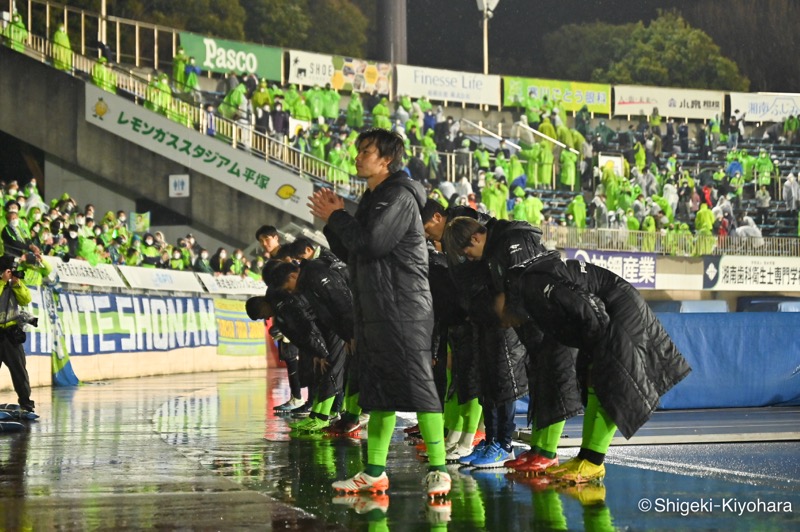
x: 448, y: 85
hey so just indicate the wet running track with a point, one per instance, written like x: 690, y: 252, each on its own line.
x: 204, y: 452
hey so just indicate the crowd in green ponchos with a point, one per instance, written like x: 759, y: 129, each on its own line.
x: 60, y: 229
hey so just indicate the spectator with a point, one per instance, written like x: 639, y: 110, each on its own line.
x: 62, y: 50
x: 13, y: 295
x: 202, y: 264
x: 15, y: 33
x: 762, y: 204
x: 104, y: 76
x: 220, y: 263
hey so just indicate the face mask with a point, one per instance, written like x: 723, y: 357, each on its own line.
x: 21, y: 204
x: 149, y: 242
x: 97, y: 232
x: 13, y: 209
x: 122, y: 219
x: 223, y: 256
x: 239, y: 256
x: 12, y: 192
x: 73, y: 234
x: 80, y: 221
x: 204, y: 256
x: 45, y: 237
x: 14, y: 223
x: 37, y: 217
x: 176, y: 255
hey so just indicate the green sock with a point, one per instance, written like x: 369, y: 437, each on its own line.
x: 471, y: 412
x: 452, y: 415
x: 547, y: 438
x: 351, y: 404
x: 324, y: 407
x: 379, y: 435
x: 598, y: 428
x: 431, y: 425
x: 314, y: 406
x: 548, y: 512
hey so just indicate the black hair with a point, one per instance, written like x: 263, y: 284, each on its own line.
x: 266, y: 230
x: 258, y: 308
x: 458, y: 235
x: 431, y: 207
x: 267, y: 268
x: 301, y: 243
x: 278, y: 275
x: 388, y: 143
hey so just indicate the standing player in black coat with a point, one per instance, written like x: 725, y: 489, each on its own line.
x: 384, y: 248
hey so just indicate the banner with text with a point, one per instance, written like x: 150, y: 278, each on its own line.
x: 765, y: 106
x: 220, y: 55
x: 639, y: 269
x: 232, y: 285
x: 201, y: 153
x: 677, y: 103
x: 758, y: 274
x: 81, y: 272
x: 159, y: 279
x: 343, y: 73
x: 448, y: 85
x: 572, y: 94
x: 238, y: 335
x: 94, y: 323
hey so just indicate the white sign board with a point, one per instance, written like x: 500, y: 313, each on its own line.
x: 759, y: 274
x: 179, y: 186
x: 449, y: 85
x: 81, y: 272
x: 765, y: 106
x: 201, y: 153
x: 676, y: 103
x: 232, y: 285
x: 159, y: 279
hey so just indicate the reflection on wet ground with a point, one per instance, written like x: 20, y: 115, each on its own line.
x: 205, y: 452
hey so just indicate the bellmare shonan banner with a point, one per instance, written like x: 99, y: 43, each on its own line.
x: 220, y: 55
x: 765, y: 106
x: 639, y: 269
x: 759, y: 274
x: 343, y: 73
x: 95, y: 323
x: 448, y: 85
x: 675, y: 103
x: 201, y: 153
x: 572, y: 94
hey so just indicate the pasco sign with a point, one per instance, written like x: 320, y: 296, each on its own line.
x: 220, y: 55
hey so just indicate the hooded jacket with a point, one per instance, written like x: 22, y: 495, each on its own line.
x: 384, y: 248
x: 625, y: 353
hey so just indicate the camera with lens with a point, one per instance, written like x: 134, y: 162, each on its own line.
x: 19, y: 274
x: 26, y: 318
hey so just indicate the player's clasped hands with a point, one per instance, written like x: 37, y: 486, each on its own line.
x: 324, y: 202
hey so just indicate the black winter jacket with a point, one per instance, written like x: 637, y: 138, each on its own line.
x: 384, y: 248
x: 626, y: 354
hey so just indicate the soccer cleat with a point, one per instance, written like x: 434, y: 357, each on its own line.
x: 291, y: 404
x: 577, y: 470
x: 437, y: 483
x: 301, y: 424
x: 301, y: 411
x: 364, y: 503
x: 457, y: 453
x: 438, y: 511
x: 363, y: 482
x: 493, y: 456
x: 537, y: 465
x: 363, y: 420
x: 477, y: 452
x: 586, y: 494
x: 411, y: 430
x: 315, y: 424
x: 521, y: 459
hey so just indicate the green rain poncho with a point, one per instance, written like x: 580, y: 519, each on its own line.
x: 381, y: 116
x: 534, y: 207
x: 314, y: 101
x: 610, y: 183
x: 665, y: 208
x: 104, y: 77
x: 532, y: 158
x: 514, y: 168
x: 764, y: 168
x: 546, y: 128
x: 568, y: 162
x: 16, y: 35
x: 494, y: 196
x: 179, y: 69
x: 355, y: 112
x: 302, y: 111
x: 545, y: 164
x: 152, y: 95
x: 261, y: 96
x: 577, y: 208
x: 704, y: 218
x: 330, y: 103
x: 337, y: 158
x: 291, y: 98
x: 649, y: 239
x: 640, y: 155
x: 582, y: 120
x: 230, y: 104
x: 62, y: 50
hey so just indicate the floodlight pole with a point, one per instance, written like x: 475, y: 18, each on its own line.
x: 485, y: 38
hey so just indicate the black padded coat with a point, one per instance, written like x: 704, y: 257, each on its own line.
x: 384, y: 248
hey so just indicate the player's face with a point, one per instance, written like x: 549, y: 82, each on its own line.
x: 369, y: 163
x: 434, y: 229
x: 269, y: 243
x: 474, y: 251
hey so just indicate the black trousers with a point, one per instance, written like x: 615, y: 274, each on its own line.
x: 13, y: 356
x: 499, y: 422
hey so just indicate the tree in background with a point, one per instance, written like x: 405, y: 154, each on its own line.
x: 667, y: 52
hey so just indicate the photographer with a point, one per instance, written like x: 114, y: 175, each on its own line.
x: 12, y: 336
